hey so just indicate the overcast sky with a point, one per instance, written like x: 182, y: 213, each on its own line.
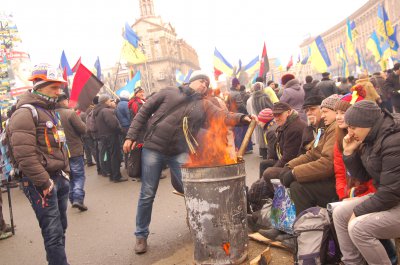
x: 237, y: 28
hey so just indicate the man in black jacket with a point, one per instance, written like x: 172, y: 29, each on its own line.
x: 164, y: 142
x: 327, y: 86
x: 392, y: 87
x: 371, y: 151
x: 108, y: 131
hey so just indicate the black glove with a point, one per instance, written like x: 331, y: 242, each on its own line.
x: 287, y: 178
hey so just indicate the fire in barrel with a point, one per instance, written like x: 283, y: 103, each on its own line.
x: 214, y: 184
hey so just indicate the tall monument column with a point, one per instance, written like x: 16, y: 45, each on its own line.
x: 146, y: 8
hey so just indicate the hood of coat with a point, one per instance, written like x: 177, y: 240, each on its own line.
x: 293, y: 84
x: 98, y: 108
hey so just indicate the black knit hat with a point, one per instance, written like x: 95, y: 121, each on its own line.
x: 363, y: 114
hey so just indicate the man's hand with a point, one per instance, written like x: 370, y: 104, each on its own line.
x: 128, y: 145
x: 249, y: 118
x: 286, y: 178
x: 350, y: 145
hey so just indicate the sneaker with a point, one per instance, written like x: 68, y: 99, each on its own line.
x: 7, y: 228
x: 141, y: 245
x: 122, y: 179
x: 91, y: 164
x: 80, y: 206
x: 136, y: 179
x: 270, y: 233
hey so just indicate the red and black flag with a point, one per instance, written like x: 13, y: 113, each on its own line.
x: 84, y: 88
x: 76, y: 66
x: 264, y: 64
x: 65, y: 86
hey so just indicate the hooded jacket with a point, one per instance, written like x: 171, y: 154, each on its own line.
x: 28, y: 141
x: 378, y: 159
x: 293, y: 94
x: 74, y: 129
x: 165, y: 133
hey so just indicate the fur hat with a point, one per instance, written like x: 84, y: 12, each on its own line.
x: 286, y: 78
x: 280, y: 107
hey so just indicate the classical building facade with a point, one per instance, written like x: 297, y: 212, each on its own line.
x: 164, y: 51
x: 366, y: 22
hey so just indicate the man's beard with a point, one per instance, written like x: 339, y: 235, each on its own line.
x: 311, y: 120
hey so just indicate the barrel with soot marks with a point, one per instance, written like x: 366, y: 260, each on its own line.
x: 215, y: 200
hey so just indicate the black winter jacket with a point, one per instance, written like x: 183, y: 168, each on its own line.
x: 327, y: 87
x: 311, y: 89
x: 106, y: 121
x: 165, y: 134
x: 378, y: 158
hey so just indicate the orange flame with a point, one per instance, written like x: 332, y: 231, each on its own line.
x: 215, y: 147
x: 226, y: 247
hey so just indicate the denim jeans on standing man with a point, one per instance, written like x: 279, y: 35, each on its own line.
x: 51, y: 215
x: 152, y: 165
x: 77, y: 184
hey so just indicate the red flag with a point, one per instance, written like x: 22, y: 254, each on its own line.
x: 264, y: 65
x: 76, y: 66
x: 217, y: 73
x: 290, y: 63
x: 84, y: 88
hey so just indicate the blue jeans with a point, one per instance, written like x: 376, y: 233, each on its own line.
x: 51, y: 215
x: 77, y: 184
x: 152, y: 164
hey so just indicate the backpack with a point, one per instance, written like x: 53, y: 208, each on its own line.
x: 316, y: 238
x: 91, y: 123
x: 9, y: 165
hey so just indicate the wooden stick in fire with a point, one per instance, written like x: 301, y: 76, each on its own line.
x: 246, y: 140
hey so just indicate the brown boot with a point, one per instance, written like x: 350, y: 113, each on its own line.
x: 141, y: 245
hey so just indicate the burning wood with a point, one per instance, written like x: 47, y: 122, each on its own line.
x: 216, y: 149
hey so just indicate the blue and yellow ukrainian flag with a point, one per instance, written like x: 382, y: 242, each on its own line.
x: 349, y: 38
x: 252, y: 66
x: 319, y: 55
x: 373, y: 45
x: 130, y: 48
x: 221, y: 64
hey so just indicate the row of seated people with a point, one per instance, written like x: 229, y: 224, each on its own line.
x: 349, y: 151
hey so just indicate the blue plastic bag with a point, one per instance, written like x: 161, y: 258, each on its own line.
x: 283, y: 211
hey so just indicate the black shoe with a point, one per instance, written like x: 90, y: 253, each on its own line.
x: 290, y: 243
x: 80, y: 206
x: 270, y: 233
x: 122, y: 179
x: 91, y: 164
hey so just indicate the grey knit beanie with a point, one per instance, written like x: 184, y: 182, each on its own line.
x: 330, y: 102
x: 363, y: 114
x: 103, y: 98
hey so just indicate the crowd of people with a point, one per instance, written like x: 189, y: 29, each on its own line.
x: 326, y: 141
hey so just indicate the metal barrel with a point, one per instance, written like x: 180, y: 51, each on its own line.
x: 215, y: 199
